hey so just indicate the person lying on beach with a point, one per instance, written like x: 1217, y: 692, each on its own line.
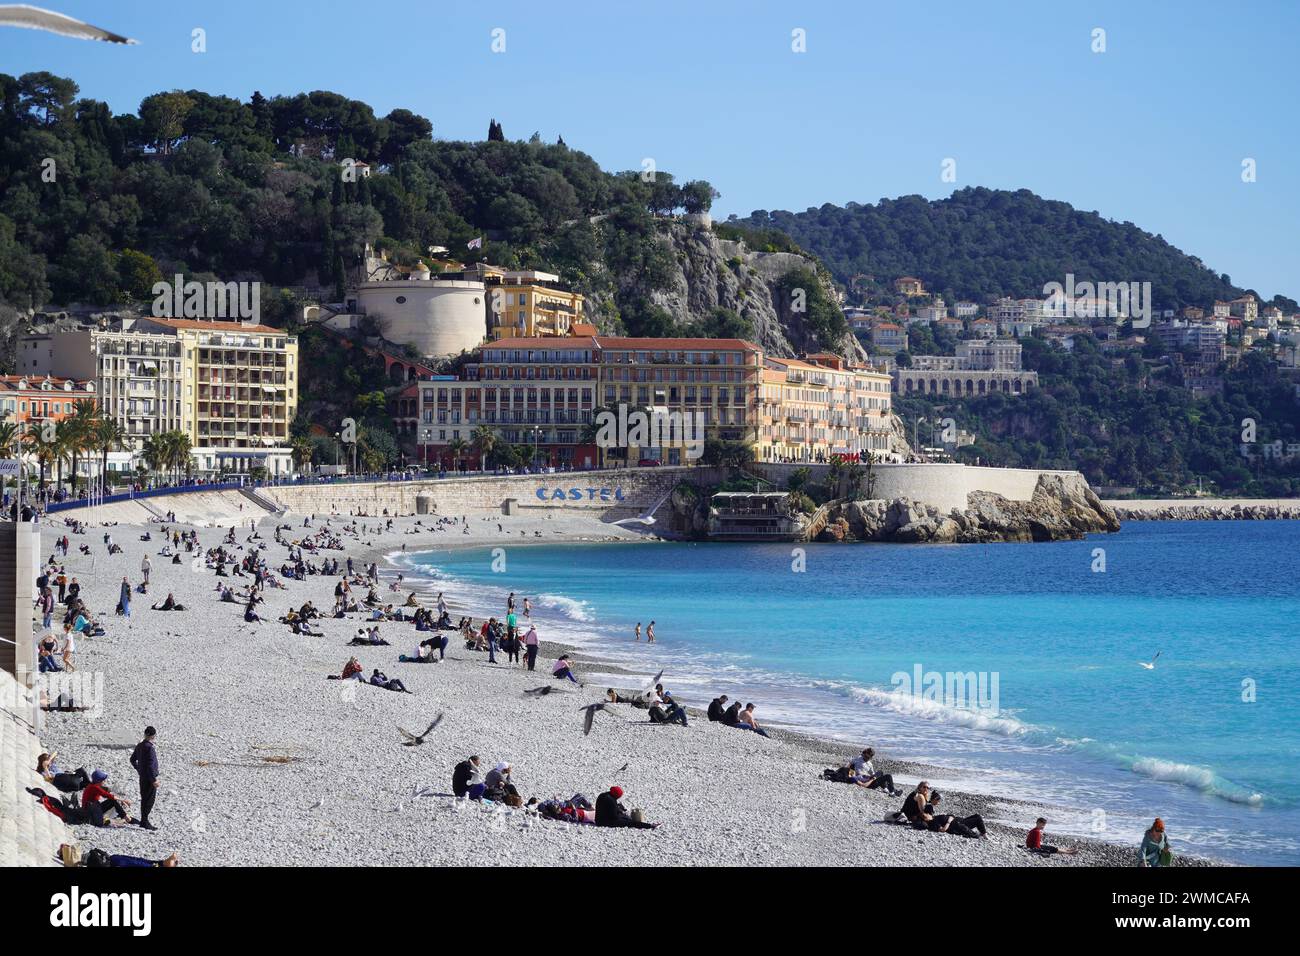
x: 1034, y: 841
x: 611, y: 813
x: 168, y: 604
x: 613, y: 697
x: 98, y: 858
x: 299, y: 627
x: 379, y: 679
x: 562, y: 670
x: 971, y: 826
x: 863, y: 773
x: 66, y: 781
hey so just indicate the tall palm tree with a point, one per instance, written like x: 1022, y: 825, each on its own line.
x: 43, y: 451
x: 154, y: 451
x: 485, y: 439
x: 456, y: 448
x: 108, y: 435
x: 81, y: 432
x: 302, y: 452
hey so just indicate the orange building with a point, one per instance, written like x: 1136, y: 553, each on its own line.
x: 32, y: 400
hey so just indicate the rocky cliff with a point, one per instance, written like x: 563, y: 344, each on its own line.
x: 1062, y: 508
x: 715, y: 273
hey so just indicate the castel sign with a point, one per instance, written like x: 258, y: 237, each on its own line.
x: 580, y: 494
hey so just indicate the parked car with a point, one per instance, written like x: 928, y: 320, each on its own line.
x: 649, y: 463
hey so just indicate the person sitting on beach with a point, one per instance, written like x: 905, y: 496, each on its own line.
x: 611, y: 813
x: 971, y: 826
x: 497, y: 782
x: 97, y: 800
x: 914, y: 810
x: 169, y: 604
x: 745, y: 720
x: 465, y: 776
x: 562, y: 670
x: 718, y: 708
x: 863, y: 773
x: 250, y: 615
x: 663, y: 709
x: 410, y: 599
x: 379, y: 679
x: 351, y: 671
x: 46, y: 662
x: 1154, y: 850
x: 1034, y: 841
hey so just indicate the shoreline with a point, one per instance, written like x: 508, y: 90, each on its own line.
x: 266, y: 762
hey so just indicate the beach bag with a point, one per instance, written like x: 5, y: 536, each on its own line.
x: 69, y: 854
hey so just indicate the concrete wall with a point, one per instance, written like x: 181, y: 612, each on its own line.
x: 595, y: 490
x: 943, y: 485
x: 20, y: 545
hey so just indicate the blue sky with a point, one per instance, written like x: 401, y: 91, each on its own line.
x: 1153, y: 131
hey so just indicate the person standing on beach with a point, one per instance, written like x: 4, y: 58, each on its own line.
x: 637, y: 632
x: 145, y: 568
x: 530, y: 643
x: 145, y: 761
x: 124, y: 599
x: 650, y: 633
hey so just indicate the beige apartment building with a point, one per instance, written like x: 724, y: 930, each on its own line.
x: 813, y: 409
x: 231, y: 387
x: 527, y: 303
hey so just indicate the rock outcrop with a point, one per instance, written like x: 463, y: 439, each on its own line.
x: 1062, y: 508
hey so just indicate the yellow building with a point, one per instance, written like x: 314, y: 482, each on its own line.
x: 528, y: 303
x: 811, y: 409
x: 239, y: 392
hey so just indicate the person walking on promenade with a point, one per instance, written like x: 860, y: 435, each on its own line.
x: 145, y: 761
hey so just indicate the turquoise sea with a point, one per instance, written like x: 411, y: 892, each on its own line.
x: 1208, y: 739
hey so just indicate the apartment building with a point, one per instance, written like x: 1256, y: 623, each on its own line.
x: 231, y: 387
x: 526, y: 303
x: 815, y: 408
x: 30, y: 401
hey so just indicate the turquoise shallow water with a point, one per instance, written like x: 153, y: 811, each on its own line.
x: 1208, y: 739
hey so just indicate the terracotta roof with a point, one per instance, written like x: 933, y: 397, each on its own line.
x: 229, y: 326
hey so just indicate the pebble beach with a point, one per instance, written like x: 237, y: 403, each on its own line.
x: 266, y: 762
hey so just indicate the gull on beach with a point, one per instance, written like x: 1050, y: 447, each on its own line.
x: 412, y: 740
x: 34, y: 18
x: 1150, y: 665
x: 318, y: 804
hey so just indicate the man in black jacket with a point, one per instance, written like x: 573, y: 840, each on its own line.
x: 145, y: 761
x: 610, y: 813
x: 717, y: 708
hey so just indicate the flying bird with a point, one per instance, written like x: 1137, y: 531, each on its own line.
x: 34, y: 18
x: 414, y: 741
x: 654, y: 683
x: 590, y: 716
x: 1152, y: 664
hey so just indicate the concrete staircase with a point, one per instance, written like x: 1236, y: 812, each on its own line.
x: 29, y: 834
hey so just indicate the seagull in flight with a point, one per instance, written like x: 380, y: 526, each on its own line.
x: 34, y: 18
x: 590, y: 715
x: 1150, y: 665
x: 414, y: 741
